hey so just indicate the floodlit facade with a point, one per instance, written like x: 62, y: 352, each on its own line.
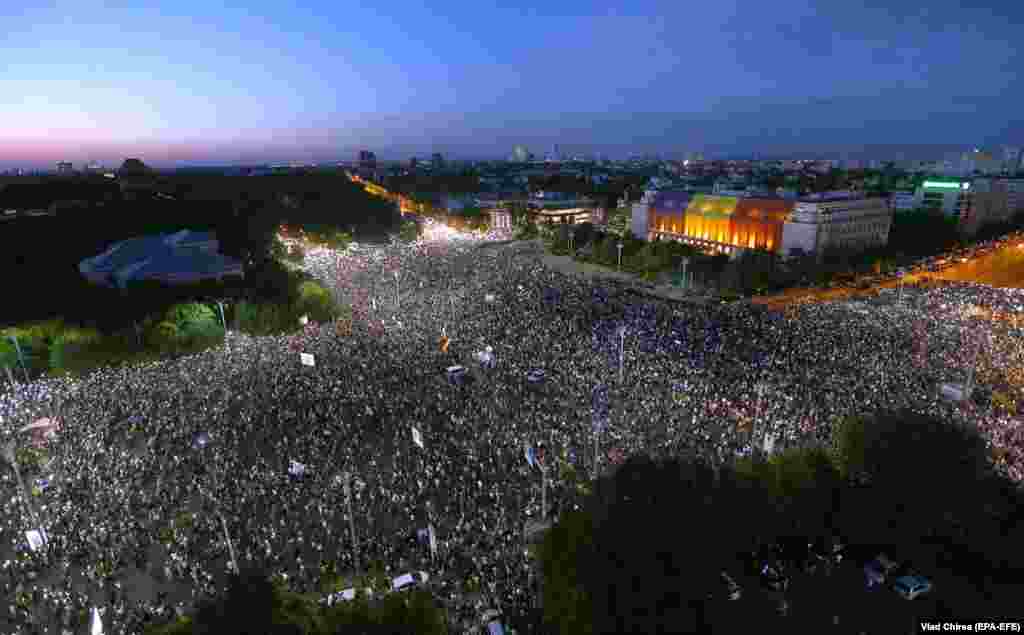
x: 724, y: 224
x: 731, y: 225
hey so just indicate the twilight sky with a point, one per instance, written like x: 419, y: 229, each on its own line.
x: 222, y: 82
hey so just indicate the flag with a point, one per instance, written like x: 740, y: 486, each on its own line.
x: 296, y: 469
x: 307, y: 359
x: 444, y: 343
x: 433, y: 540
x: 36, y: 538
x: 530, y: 456
x: 97, y: 622
x: 616, y: 456
x: 417, y: 438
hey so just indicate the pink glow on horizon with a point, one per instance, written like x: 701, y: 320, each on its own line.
x: 46, y: 148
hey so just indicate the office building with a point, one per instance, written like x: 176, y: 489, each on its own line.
x: 836, y: 220
x: 902, y: 201
x: 951, y: 197
x: 65, y: 167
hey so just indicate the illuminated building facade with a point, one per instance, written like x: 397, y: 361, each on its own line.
x: 724, y: 224
x: 730, y: 224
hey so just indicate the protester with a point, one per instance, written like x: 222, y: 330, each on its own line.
x: 125, y: 507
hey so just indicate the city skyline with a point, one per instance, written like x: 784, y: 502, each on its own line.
x: 189, y: 84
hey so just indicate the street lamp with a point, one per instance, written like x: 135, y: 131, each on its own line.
x: 572, y: 235
x: 200, y: 441
x: 12, y: 460
x: 396, y: 289
x: 622, y: 352
x: 346, y: 484
x: 224, y: 527
x: 686, y: 261
x: 620, y: 245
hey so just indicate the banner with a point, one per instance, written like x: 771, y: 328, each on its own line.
x: 97, y: 623
x: 444, y: 344
x: 296, y: 469
x: 36, y: 538
x: 417, y: 438
x: 307, y: 359
x: 530, y: 456
x: 433, y: 540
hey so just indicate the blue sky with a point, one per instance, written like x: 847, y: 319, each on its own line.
x: 191, y: 81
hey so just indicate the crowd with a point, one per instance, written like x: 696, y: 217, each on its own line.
x: 133, y: 508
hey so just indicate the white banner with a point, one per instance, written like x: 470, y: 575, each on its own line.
x: 97, y: 622
x: 307, y: 359
x: 417, y: 438
x: 36, y: 538
x: 433, y: 540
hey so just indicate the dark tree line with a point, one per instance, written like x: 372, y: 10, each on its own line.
x: 645, y: 553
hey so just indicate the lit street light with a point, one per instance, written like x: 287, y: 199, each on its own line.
x: 346, y: 478
x: 396, y: 290
x: 622, y: 352
x: 620, y: 246
x: 12, y: 460
x: 200, y: 441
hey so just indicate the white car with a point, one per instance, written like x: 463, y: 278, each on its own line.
x: 911, y: 586
x: 347, y: 595
x: 409, y: 580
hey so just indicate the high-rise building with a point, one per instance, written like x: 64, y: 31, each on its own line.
x: 520, y: 154
x: 64, y: 167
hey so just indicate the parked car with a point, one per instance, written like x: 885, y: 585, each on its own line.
x: 878, y: 569
x: 347, y: 595
x: 491, y: 619
x: 409, y: 580
x: 910, y: 587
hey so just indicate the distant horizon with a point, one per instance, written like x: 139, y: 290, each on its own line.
x: 917, y: 152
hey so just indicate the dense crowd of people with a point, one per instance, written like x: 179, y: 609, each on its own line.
x: 155, y: 463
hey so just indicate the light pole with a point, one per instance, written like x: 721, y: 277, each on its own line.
x: 224, y: 527
x: 396, y: 289
x: 620, y: 245
x: 12, y: 459
x: 571, y: 237
x: 899, y: 287
x: 346, y: 478
x: 543, y: 492
x: 622, y: 352
x: 686, y: 261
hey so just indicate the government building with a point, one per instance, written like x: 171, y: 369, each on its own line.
x: 732, y: 224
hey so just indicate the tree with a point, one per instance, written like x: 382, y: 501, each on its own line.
x: 255, y: 605
x: 649, y: 571
x: 526, y: 228
x: 409, y: 231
